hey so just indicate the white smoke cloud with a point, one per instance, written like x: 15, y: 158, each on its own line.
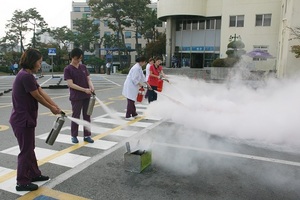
x: 267, y: 114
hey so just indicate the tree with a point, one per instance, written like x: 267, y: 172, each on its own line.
x: 113, y: 12
x: 37, y: 21
x: 95, y: 62
x: 137, y: 11
x: 295, y: 32
x: 149, y: 28
x: 18, y: 26
x: 8, y: 42
x: 63, y: 35
x: 87, y: 33
x: 157, y: 47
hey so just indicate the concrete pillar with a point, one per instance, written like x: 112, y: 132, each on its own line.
x: 170, y: 40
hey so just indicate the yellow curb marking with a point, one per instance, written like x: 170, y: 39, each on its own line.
x: 3, y: 127
x: 51, y: 193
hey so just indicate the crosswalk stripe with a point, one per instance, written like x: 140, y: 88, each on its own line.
x: 65, y: 157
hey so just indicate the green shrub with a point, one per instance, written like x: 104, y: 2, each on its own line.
x: 219, y: 62
x: 4, y: 69
x: 230, y: 62
x: 125, y: 71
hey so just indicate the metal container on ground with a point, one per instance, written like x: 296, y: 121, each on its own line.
x: 137, y: 161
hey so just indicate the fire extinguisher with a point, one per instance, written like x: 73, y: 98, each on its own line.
x: 56, y: 129
x: 140, y: 94
x: 160, y: 85
x: 91, y: 104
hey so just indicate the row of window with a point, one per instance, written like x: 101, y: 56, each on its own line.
x: 234, y: 21
x: 127, y: 34
x: 260, y: 20
x: 198, y: 24
x: 81, y: 9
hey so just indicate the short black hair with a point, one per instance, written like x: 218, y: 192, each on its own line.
x: 76, y: 52
x: 141, y: 59
x: 29, y: 58
x: 157, y: 58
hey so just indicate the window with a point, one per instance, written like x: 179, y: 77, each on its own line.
x: 105, y: 23
x: 189, y: 25
x: 87, y: 9
x: 263, y: 20
x: 236, y: 21
x: 76, y: 9
x: 210, y: 24
x: 178, y: 25
x: 202, y: 24
x: 218, y: 24
x: 184, y: 25
x: 128, y: 45
x: 96, y: 22
x: 139, y: 35
x: 194, y: 25
x: 107, y: 33
x: 127, y: 34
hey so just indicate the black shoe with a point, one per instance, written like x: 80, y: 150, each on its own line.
x: 88, y: 139
x: 40, y: 178
x: 28, y: 187
x: 74, y: 140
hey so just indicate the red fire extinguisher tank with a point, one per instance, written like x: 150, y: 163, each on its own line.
x: 140, y: 95
x: 160, y: 85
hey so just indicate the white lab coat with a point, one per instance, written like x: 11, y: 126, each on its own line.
x: 134, y: 77
x: 148, y: 71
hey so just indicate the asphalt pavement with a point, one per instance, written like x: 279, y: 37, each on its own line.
x: 184, y: 165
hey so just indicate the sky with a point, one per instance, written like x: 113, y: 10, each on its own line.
x: 55, y: 12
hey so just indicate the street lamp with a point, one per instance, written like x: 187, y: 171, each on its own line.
x: 234, y: 38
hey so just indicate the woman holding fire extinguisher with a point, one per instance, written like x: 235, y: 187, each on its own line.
x: 155, y: 79
x: 133, y: 81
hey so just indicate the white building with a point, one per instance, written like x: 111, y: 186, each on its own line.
x: 82, y: 10
x: 199, y: 30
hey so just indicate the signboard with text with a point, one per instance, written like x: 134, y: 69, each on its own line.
x: 52, y: 52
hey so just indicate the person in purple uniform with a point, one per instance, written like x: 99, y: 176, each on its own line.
x: 26, y: 94
x: 81, y: 88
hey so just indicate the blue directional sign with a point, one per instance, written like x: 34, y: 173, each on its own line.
x: 52, y: 52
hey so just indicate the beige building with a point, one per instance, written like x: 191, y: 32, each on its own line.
x: 198, y: 31
x: 82, y: 10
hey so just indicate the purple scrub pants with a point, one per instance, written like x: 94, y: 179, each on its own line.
x: 131, y: 110
x: 27, y: 163
x: 77, y: 106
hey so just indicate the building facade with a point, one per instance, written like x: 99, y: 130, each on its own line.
x: 82, y: 10
x: 198, y: 31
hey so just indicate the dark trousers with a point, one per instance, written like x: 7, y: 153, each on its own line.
x: 27, y: 162
x: 77, y: 106
x: 152, y: 95
x: 131, y: 110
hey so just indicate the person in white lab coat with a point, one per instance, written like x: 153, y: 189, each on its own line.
x: 150, y: 62
x: 133, y: 81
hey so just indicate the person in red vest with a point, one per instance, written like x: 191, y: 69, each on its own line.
x: 156, y: 73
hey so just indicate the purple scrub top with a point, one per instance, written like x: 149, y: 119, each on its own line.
x: 25, y: 106
x: 79, y: 76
